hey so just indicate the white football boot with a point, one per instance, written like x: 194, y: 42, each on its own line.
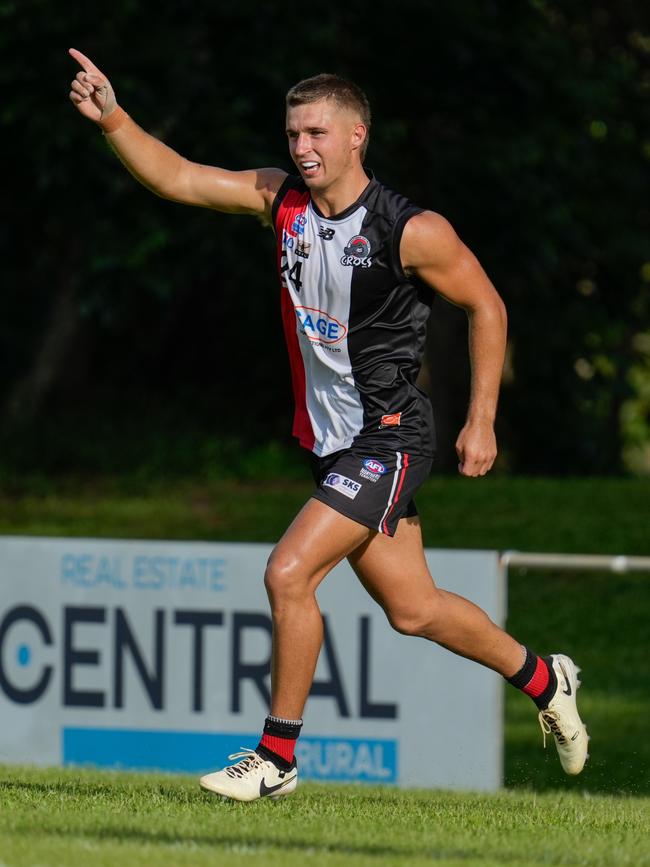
x: 251, y: 778
x: 561, y: 718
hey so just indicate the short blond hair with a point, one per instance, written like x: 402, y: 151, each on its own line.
x: 344, y: 93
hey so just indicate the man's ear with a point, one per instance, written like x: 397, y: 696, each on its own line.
x: 359, y: 134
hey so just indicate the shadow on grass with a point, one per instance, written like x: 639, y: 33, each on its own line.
x: 235, y: 841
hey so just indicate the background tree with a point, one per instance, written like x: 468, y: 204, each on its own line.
x: 525, y: 124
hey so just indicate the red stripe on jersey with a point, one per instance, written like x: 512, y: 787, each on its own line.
x: 397, y: 493
x: 293, y: 204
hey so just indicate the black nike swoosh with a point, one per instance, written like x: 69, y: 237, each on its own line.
x: 566, y: 691
x: 268, y: 790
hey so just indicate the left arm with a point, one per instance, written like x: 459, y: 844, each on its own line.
x: 431, y: 250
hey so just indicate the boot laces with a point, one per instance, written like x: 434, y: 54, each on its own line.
x: 250, y: 760
x: 549, y: 723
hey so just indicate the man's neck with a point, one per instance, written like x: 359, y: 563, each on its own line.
x: 335, y: 199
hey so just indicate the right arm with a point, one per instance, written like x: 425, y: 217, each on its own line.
x: 160, y: 168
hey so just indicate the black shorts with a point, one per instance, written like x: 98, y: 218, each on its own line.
x: 374, y: 488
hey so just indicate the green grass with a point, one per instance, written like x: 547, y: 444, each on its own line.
x: 585, y: 515
x: 601, y: 817
x: 603, y: 622
x: 80, y: 818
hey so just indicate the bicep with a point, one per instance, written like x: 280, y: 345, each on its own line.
x: 432, y: 251
x: 234, y: 192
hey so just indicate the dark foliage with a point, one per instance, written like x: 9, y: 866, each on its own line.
x: 526, y: 124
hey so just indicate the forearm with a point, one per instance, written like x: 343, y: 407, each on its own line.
x: 150, y: 161
x: 487, y: 345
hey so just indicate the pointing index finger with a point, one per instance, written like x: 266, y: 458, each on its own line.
x: 85, y: 62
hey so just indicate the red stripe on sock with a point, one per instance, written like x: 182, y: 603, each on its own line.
x: 283, y: 747
x: 539, y: 681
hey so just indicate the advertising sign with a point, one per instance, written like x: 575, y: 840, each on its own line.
x: 156, y: 655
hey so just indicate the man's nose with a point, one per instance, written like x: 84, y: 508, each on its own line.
x: 302, y: 145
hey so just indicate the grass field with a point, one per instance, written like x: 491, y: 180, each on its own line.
x: 601, y: 817
x: 77, y: 819
x: 591, y: 515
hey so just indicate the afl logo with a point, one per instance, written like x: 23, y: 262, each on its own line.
x: 357, y: 252
x: 318, y: 326
x: 375, y: 466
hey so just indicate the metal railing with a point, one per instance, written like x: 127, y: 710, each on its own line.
x: 579, y: 562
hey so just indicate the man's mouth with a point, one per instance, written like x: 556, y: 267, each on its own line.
x: 310, y: 167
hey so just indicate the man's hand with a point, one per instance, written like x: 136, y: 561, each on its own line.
x: 159, y: 167
x: 476, y: 448
x: 91, y: 91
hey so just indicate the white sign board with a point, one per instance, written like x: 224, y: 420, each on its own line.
x: 156, y: 655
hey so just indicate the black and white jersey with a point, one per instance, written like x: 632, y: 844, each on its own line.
x: 354, y: 322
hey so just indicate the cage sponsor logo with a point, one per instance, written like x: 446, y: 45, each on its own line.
x: 318, y: 326
x: 345, y: 486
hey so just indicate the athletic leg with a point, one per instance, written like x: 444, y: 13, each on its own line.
x: 395, y: 573
x: 316, y: 541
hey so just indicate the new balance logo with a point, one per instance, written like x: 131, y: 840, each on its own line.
x: 325, y: 233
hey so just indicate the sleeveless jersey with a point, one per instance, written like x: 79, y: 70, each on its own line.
x: 354, y: 322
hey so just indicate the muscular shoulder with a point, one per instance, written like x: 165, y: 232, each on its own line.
x: 428, y: 240
x: 270, y: 181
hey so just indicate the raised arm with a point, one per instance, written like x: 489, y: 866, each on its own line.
x: 160, y: 168
x: 432, y: 251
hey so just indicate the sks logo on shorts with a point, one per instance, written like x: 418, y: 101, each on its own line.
x: 372, y: 470
x: 319, y: 326
x: 357, y: 252
x: 343, y: 485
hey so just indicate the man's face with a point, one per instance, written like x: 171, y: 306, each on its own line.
x: 324, y: 141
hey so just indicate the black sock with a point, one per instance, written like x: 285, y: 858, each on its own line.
x: 279, y: 741
x: 536, y: 678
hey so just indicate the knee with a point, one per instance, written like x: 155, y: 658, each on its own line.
x: 419, y: 621
x: 282, y: 578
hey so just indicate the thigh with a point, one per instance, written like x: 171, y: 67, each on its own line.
x: 372, y: 486
x: 318, y: 538
x: 394, y: 570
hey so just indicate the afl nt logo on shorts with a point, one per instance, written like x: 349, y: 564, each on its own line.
x: 357, y: 252
x: 372, y: 470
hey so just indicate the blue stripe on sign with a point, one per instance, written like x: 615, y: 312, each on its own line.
x: 351, y: 759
